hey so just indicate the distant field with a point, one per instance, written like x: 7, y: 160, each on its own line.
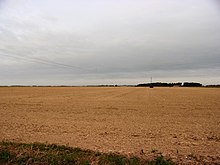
x: 182, y: 123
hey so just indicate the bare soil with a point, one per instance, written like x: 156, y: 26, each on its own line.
x: 181, y: 123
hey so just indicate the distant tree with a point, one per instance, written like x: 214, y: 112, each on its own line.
x: 160, y: 84
x: 192, y: 84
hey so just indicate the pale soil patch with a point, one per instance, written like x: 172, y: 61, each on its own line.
x: 183, y: 123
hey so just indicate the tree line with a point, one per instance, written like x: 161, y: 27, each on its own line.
x: 179, y: 84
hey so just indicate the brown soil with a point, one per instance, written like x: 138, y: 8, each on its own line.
x: 181, y: 123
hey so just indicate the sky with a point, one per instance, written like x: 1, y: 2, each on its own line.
x: 72, y: 42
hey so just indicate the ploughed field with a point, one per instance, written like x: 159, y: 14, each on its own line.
x: 181, y: 123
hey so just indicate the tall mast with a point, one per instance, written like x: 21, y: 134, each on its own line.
x: 151, y: 82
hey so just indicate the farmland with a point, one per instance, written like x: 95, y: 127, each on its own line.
x: 181, y: 123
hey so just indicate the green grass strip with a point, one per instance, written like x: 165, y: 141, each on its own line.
x: 52, y: 154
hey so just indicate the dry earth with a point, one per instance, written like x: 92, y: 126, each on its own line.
x: 183, y: 123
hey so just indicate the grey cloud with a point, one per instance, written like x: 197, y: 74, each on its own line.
x: 109, y: 41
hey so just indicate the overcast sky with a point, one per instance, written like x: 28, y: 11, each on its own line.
x: 72, y: 42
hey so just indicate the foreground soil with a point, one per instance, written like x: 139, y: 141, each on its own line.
x: 181, y: 123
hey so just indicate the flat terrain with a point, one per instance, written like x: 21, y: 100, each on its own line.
x: 183, y: 123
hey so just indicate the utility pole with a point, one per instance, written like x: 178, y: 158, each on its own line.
x: 151, y: 83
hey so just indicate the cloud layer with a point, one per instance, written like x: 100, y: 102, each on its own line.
x: 72, y: 42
